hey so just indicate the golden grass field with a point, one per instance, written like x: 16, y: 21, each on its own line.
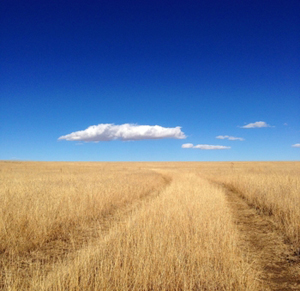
x: 148, y: 226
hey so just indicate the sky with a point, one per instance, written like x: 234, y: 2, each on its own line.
x: 151, y: 80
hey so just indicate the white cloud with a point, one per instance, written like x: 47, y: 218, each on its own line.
x: 257, y: 124
x: 229, y: 137
x: 210, y: 147
x: 187, y: 145
x: 108, y: 131
x: 204, y: 147
x: 297, y: 145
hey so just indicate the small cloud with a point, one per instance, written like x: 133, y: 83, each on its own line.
x: 210, y: 147
x: 297, y: 145
x: 187, y: 145
x: 285, y: 124
x: 124, y: 132
x: 229, y: 137
x: 257, y: 124
x: 204, y: 147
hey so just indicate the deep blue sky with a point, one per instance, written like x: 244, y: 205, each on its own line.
x: 209, y: 67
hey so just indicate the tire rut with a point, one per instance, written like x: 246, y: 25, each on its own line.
x: 58, y: 250
x: 265, y: 245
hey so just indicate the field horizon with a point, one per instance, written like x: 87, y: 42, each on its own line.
x: 149, y: 225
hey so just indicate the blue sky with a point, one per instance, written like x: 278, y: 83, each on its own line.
x: 194, y: 69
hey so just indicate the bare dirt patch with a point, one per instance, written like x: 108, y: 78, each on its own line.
x: 267, y: 247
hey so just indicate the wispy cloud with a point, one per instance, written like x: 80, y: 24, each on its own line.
x: 257, y: 124
x: 297, y: 145
x: 204, y: 147
x: 125, y: 132
x: 229, y: 137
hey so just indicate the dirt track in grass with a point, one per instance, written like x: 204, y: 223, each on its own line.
x: 266, y: 245
x: 61, y: 249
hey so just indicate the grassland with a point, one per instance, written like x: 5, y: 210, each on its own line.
x: 142, y: 226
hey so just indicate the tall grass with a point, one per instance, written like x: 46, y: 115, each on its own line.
x: 272, y: 188
x: 48, y: 210
x: 135, y: 226
x: 182, y: 240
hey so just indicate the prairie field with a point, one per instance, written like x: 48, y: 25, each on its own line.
x: 149, y: 226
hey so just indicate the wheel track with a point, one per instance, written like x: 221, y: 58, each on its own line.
x: 266, y: 245
x: 57, y: 251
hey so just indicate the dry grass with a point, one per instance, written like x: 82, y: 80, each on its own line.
x: 134, y: 226
x: 49, y: 210
x: 272, y: 188
x: 182, y: 240
x: 41, y: 203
